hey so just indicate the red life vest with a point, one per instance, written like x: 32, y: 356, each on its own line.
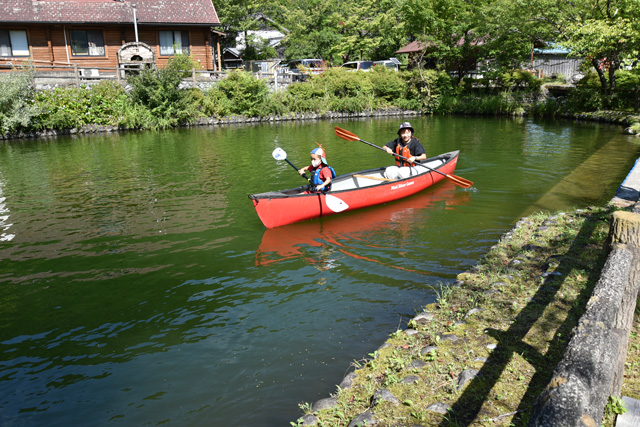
x: 404, y: 152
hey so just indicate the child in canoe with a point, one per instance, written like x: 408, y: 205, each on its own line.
x: 321, y: 172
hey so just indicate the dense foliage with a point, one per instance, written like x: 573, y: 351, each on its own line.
x: 156, y: 98
x: 457, y: 34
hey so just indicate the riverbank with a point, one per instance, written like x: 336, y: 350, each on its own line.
x: 219, y: 121
x: 485, y: 351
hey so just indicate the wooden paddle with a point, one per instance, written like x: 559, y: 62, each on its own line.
x: 345, y: 134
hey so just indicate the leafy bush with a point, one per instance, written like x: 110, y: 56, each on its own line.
x: 519, y: 81
x: 345, y: 90
x: 61, y: 108
x: 17, y: 109
x: 305, y: 97
x: 246, y: 94
x: 215, y: 103
x: 108, y: 102
x: 628, y: 87
x: 185, y: 64
x: 548, y: 108
x: 424, y: 89
x: 388, y: 85
x: 499, y: 81
x: 277, y: 103
x: 158, y: 90
x: 586, y: 96
x: 492, y: 104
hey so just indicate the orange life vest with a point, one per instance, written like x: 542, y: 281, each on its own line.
x: 404, y: 152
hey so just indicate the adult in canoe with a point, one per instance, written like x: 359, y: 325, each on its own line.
x: 408, y: 146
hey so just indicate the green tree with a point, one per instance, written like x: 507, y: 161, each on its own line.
x: 602, y: 32
x: 450, y: 30
x: 240, y: 16
x: 313, y: 29
x: 369, y: 29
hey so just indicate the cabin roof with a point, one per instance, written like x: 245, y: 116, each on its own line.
x: 167, y: 12
x: 414, y: 46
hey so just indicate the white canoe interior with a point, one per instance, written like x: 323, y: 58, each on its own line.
x: 375, y: 177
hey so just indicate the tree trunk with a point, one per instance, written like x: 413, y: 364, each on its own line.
x: 597, y: 65
x: 625, y: 230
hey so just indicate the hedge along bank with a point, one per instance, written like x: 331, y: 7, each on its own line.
x: 162, y: 99
x: 156, y: 100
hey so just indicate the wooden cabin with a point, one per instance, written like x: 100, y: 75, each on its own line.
x: 90, y: 33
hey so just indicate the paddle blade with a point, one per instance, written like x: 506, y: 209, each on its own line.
x: 464, y: 183
x: 345, y: 134
x: 335, y: 204
x: 279, y: 154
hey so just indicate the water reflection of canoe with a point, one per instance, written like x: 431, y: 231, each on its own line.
x: 349, y: 192
x: 288, y: 242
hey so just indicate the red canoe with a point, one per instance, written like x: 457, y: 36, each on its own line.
x: 349, y: 192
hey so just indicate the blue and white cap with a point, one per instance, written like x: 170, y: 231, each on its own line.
x: 320, y: 152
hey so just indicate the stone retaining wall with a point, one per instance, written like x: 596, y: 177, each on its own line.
x: 621, y: 118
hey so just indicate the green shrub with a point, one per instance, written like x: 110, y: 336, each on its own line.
x: 158, y: 90
x: 17, y: 108
x: 215, y: 103
x: 108, y: 101
x: 63, y: 108
x: 306, y: 97
x: 491, y: 104
x: 105, y: 103
x: 586, y: 96
x: 510, y: 81
x: 247, y: 95
x: 424, y: 89
x: 627, y: 87
x: 346, y: 91
x: 185, y: 64
x: 548, y: 108
x: 388, y: 85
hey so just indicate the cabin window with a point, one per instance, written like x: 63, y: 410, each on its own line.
x: 174, y: 42
x: 87, y: 42
x: 13, y: 43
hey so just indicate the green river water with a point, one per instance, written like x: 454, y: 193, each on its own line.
x: 138, y: 286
